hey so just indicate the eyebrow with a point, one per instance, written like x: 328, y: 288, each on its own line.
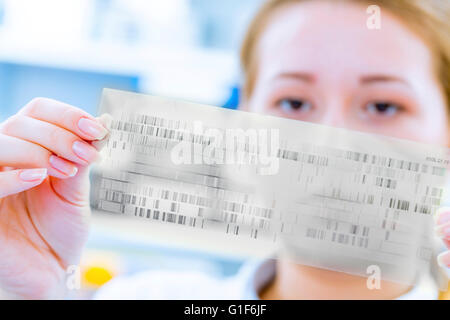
x: 365, y: 80
x: 302, y: 76
x: 382, y: 78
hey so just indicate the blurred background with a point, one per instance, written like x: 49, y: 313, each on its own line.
x: 70, y: 49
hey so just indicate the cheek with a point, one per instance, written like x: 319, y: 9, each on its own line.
x: 432, y: 123
x: 433, y: 131
x: 429, y: 129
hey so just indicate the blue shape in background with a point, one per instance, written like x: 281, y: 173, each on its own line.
x: 21, y: 83
x: 233, y: 100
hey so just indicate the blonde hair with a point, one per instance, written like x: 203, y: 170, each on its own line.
x: 428, y: 18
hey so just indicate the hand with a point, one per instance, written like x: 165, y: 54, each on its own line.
x: 443, y: 231
x: 45, y: 152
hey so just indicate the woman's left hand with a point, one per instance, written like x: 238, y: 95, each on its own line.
x: 443, y: 231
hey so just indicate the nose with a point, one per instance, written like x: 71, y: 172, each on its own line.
x: 333, y: 114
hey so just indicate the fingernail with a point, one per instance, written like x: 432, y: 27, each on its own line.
x: 106, y: 120
x: 92, y: 128
x: 30, y: 175
x: 444, y: 260
x: 85, y: 151
x: 99, y: 144
x: 443, y: 231
x: 442, y: 216
x: 63, y: 166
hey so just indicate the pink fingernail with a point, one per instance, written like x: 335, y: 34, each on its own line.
x: 85, y: 151
x: 92, y: 128
x: 63, y: 166
x: 444, y: 259
x: 446, y: 232
x: 443, y: 218
x: 30, y: 175
x: 443, y: 232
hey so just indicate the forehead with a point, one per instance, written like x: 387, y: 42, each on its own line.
x: 320, y: 36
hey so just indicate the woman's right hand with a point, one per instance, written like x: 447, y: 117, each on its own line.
x: 45, y: 153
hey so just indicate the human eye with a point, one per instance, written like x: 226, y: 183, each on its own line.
x: 383, y: 109
x: 292, y: 105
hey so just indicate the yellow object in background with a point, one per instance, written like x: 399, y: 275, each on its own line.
x: 445, y: 295
x: 97, y: 276
x: 98, y: 267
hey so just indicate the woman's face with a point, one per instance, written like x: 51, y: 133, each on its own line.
x: 319, y: 62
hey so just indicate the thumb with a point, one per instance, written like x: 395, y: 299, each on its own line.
x: 75, y: 190
x: 15, y: 181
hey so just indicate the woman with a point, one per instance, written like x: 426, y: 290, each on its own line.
x: 312, y: 60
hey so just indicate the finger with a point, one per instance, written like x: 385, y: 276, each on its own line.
x: 55, y: 139
x: 74, y: 190
x: 443, y: 215
x: 106, y: 120
x: 443, y: 231
x: 447, y: 243
x: 65, y: 116
x: 19, y: 153
x: 444, y: 259
x: 16, y: 181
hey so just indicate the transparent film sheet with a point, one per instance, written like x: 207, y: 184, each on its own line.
x: 264, y: 186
